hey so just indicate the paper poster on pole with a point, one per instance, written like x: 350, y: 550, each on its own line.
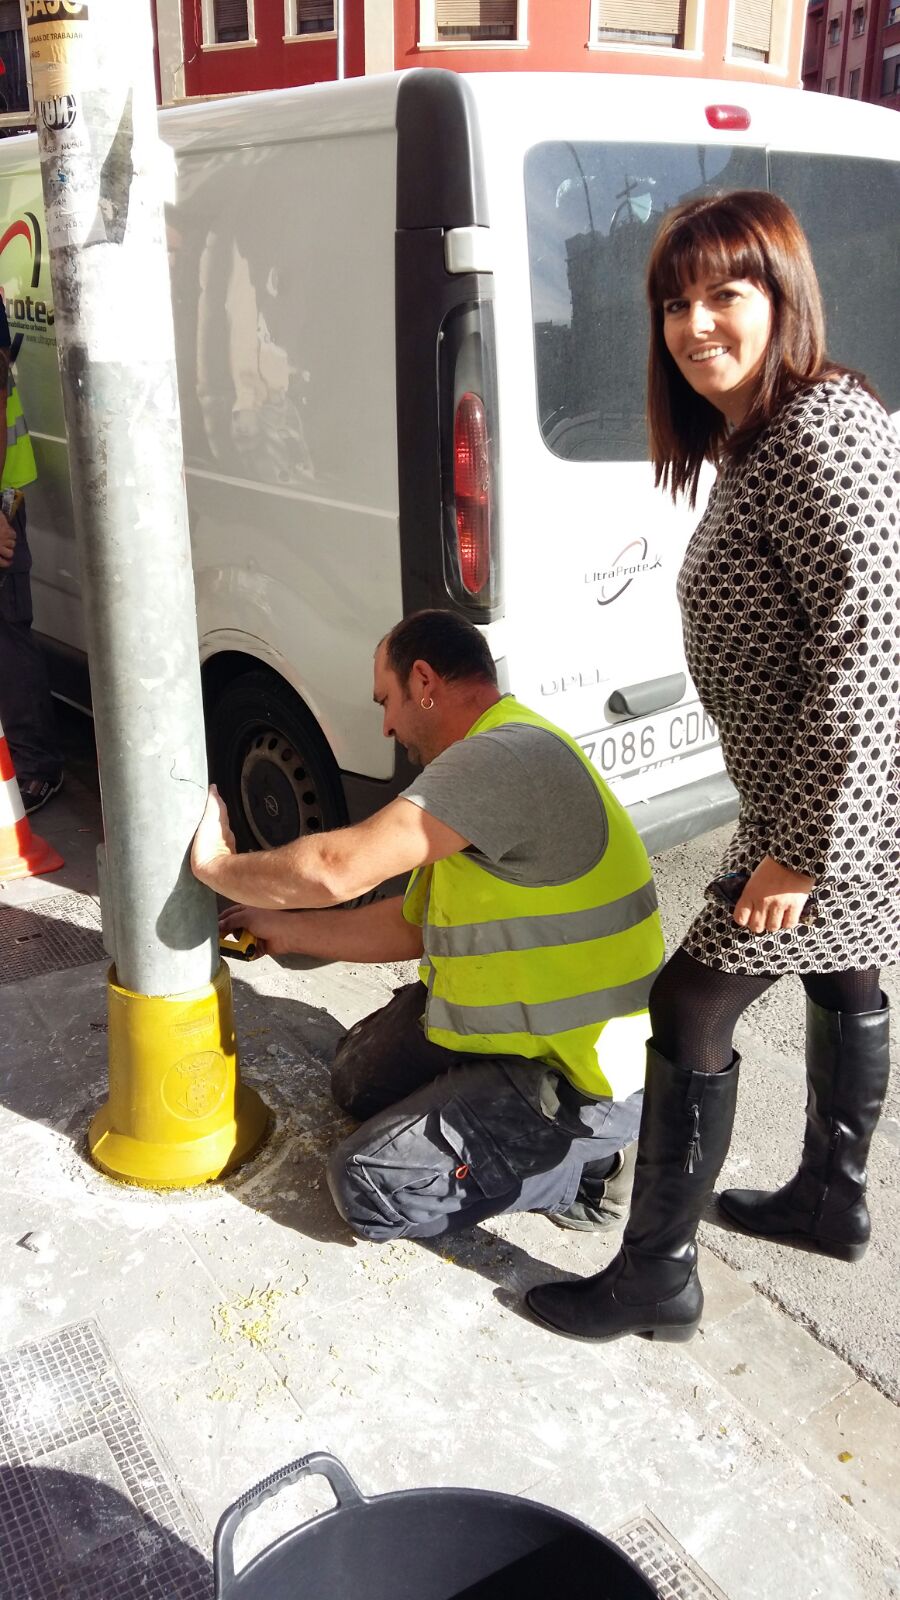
x: 60, y: 46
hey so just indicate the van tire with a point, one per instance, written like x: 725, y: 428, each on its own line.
x: 271, y: 763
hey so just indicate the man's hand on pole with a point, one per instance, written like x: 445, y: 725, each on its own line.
x: 319, y: 870
x: 213, y: 839
x: 7, y: 541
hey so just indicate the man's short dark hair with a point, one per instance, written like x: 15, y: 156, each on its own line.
x: 451, y: 645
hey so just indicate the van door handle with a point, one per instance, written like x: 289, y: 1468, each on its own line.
x: 639, y: 699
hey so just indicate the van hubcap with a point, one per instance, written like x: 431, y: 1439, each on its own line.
x: 278, y: 793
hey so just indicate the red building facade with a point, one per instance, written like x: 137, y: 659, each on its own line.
x: 852, y: 48
x: 215, y: 47
x: 225, y: 46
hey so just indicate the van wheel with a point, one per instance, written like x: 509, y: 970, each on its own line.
x: 271, y: 764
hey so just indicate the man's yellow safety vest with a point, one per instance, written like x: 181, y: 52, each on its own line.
x: 19, y: 467
x: 558, y: 973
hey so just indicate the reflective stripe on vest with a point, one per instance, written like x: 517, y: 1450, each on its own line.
x: 557, y: 973
x: 19, y: 466
x: 534, y: 933
x: 547, y: 1016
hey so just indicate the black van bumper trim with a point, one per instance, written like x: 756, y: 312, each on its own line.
x: 682, y: 814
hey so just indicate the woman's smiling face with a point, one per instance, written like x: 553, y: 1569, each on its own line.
x: 717, y: 331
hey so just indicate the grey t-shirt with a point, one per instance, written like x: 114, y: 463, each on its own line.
x: 529, y: 806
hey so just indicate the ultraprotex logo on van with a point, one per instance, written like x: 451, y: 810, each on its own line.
x: 629, y: 564
x: 21, y: 259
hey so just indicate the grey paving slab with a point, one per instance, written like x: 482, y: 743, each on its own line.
x: 724, y: 1288
x: 794, y: 1540
x: 88, y: 1248
x: 229, y: 1422
x: 853, y: 1443
x: 771, y: 1365
x: 53, y: 1060
x: 808, y: 1545
x: 445, y: 1383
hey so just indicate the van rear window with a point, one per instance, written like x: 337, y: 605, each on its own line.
x: 592, y: 214
x: 850, y: 208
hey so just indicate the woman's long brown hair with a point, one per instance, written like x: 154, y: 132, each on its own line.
x: 750, y: 234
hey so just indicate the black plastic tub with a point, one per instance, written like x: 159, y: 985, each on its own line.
x: 423, y: 1544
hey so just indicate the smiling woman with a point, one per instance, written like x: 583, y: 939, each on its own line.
x: 790, y: 599
x: 717, y: 334
x: 736, y: 321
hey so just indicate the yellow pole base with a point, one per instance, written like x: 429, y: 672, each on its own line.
x: 177, y: 1113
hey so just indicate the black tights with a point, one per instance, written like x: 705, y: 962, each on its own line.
x: 694, y: 1008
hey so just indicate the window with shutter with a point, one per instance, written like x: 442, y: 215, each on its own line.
x: 315, y: 16
x: 231, y: 22
x: 752, y: 34
x: 648, y: 22
x: 890, y: 76
x: 478, y: 20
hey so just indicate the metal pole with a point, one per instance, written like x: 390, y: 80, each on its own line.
x: 102, y: 169
x: 102, y: 195
x: 339, y: 41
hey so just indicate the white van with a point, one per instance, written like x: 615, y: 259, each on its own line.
x: 411, y: 345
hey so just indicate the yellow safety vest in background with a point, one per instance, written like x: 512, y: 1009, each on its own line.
x: 559, y: 973
x: 19, y: 467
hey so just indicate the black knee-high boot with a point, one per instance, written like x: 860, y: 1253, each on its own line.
x: 824, y: 1205
x: 652, y: 1286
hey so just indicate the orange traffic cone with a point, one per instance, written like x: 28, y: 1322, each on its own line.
x: 22, y: 853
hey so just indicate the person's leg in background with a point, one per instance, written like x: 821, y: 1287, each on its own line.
x: 604, y: 1195
x: 690, y: 1094
x: 26, y: 706
x: 847, y: 1069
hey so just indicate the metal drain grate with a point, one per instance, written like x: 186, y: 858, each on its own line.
x: 86, y: 1509
x: 64, y: 932
x: 664, y: 1561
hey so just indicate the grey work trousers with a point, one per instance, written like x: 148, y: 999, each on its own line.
x: 26, y: 709
x: 453, y: 1138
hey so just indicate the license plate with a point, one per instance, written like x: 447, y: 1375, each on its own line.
x: 629, y: 748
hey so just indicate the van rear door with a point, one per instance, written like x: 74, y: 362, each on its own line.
x: 591, y: 549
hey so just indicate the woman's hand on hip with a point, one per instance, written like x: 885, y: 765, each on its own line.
x: 773, y: 899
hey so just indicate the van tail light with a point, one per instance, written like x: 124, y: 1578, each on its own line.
x: 472, y: 492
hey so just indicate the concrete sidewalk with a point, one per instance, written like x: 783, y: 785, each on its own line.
x: 172, y: 1349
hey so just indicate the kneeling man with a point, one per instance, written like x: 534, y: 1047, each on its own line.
x: 509, y: 1078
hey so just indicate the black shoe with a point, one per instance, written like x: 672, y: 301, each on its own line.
x: 652, y: 1287
x: 36, y: 792
x: 824, y: 1206
x: 601, y: 1204
x: 601, y: 1308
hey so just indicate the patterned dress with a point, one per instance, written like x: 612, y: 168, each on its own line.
x: 790, y: 595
